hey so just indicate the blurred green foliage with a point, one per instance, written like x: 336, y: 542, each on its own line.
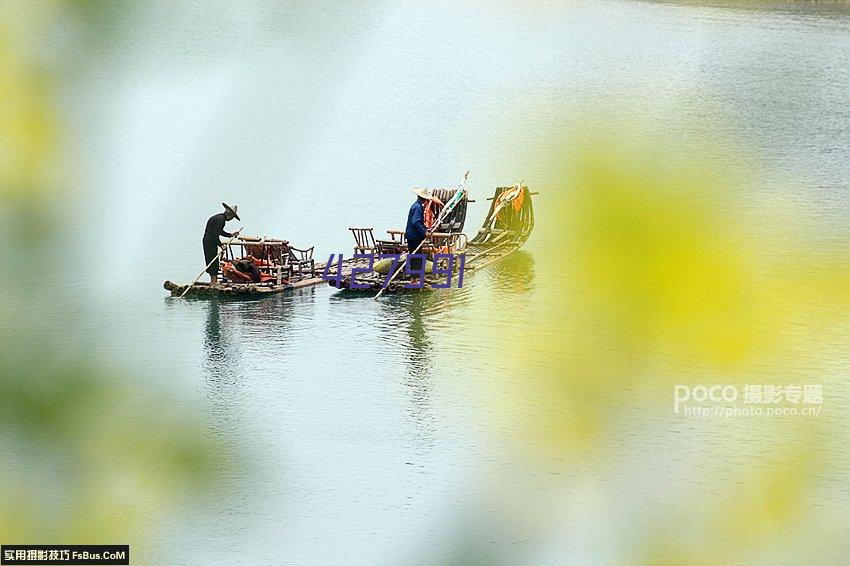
x: 88, y: 456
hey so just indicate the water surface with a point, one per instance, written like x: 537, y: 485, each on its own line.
x: 363, y: 429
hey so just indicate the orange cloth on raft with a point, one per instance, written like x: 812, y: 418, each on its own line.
x: 236, y: 276
x: 515, y: 195
x: 518, y: 200
x: 432, y: 211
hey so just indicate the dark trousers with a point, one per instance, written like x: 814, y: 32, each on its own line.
x: 211, y: 244
x: 416, y: 263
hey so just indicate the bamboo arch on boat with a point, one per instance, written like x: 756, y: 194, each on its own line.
x: 449, y: 206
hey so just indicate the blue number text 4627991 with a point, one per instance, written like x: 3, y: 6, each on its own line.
x: 414, y: 266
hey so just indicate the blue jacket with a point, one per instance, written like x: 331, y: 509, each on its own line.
x: 415, y: 222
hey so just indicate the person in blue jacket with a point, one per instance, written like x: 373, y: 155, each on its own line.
x: 415, y: 231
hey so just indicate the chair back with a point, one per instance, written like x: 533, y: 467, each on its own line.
x: 364, y: 238
x: 301, y: 255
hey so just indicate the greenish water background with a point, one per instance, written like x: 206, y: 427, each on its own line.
x: 361, y: 429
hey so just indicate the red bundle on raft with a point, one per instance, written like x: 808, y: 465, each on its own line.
x: 247, y: 270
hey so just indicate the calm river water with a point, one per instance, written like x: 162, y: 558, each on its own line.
x: 362, y: 429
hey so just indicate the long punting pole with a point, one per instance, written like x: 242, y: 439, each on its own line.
x: 436, y: 224
x: 217, y: 256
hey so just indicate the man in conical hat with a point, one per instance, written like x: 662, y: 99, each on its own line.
x: 214, y: 230
x: 415, y: 231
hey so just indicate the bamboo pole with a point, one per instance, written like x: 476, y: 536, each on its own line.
x: 529, y: 192
x: 217, y: 256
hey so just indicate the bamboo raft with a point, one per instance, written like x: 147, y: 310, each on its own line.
x: 290, y: 267
x: 507, y: 227
x: 257, y: 290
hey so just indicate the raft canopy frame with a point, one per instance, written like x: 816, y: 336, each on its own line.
x: 506, y: 228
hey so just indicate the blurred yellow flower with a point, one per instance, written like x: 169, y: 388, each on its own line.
x: 648, y: 274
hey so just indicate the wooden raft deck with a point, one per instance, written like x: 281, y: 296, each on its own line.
x: 228, y: 289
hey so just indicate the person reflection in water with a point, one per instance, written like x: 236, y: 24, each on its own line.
x: 419, y: 378
x: 222, y: 359
x: 218, y: 351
